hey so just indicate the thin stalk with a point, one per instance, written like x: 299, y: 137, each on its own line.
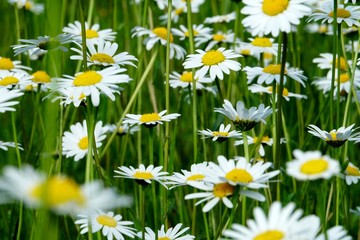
x: 90, y: 123
x: 90, y: 12
x: 17, y: 23
x: 83, y: 34
x: 246, y: 146
x: 219, y: 89
x: 331, y: 99
x: 338, y: 77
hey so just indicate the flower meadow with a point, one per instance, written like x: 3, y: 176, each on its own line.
x: 180, y: 119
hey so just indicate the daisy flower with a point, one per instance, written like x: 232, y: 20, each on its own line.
x: 185, y: 79
x: 221, y: 18
x: 325, y: 61
x: 273, y: 16
x: 111, y: 225
x: 356, y: 211
x: 265, y: 140
x: 349, y: 14
x: 93, y: 34
x: 353, y: 1
x: 215, y: 39
x: 58, y: 193
x: 40, y: 77
x: 280, y: 223
x: 271, y: 73
x: 159, y: 34
x: 29, y: 5
x: 244, y: 119
x: 75, y: 143
x: 5, y: 145
x: 92, y: 83
x: 42, y: 43
x: 161, y: 4
x: 312, y: 165
x: 222, y: 135
x: 319, y: 28
x: 216, y: 62
x: 103, y: 53
x: 334, y: 233
x: 7, y: 97
x: 170, y: 234
x: 150, y: 119
x: 195, y: 174
x: 123, y: 129
x: 256, y: 88
x: 13, y: 66
x: 198, y: 31
x: 262, y: 45
x: 66, y: 96
x: 336, y: 137
x: 352, y: 174
x: 142, y: 175
x: 10, y: 79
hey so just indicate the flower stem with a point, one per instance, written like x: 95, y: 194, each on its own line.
x: 331, y: 99
x: 246, y: 146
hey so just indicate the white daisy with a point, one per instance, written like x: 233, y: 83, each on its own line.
x: 265, y: 140
x: 215, y: 39
x: 111, y: 225
x: 319, y: 28
x: 351, y: 174
x: 58, y: 193
x: 142, y: 175
x: 42, y: 43
x: 271, y: 73
x: 29, y: 5
x: 353, y: 1
x: 221, y: 18
x: 325, y: 61
x: 334, y: 233
x: 312, y: 165
x: 122, y: 129
x: 281, y: 223
x: 273, y: 16
x: 185, y: 79
x: 256, y: 88
x: 244, y: 119
x: 336, y: 137
x: 161, y: 3
x: 198, y: 31
x: 349, y: 14
x: 12, y: 65
x: 159, y: 34
x: 195, y: 174
x: 92, y: 83
x: 40, y: 77
x: 195, y: 4
x: 103, y: 53
x: 170, y: 234
x: 356, y: 211
x: 75, y: 143
x: 7, y: 97
x: 216, y: 62
x: 92, y: 33
x: 222, y: 135
x: 5, y: 145
x: 150, y: 119
x: 262, y: 45
x: 14, y: 79
x: 67, y: 96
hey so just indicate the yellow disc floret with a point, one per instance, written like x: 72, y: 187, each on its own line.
x: 274, y: 7
x: 314, y: 166
x: 162, y: 32
x: 106, y: 220
x: 238, y: 175
x: 150, y: 117
x: 87, y: 79
x: 213, y: 57
x: 270, y: 235
x: 40, y: 77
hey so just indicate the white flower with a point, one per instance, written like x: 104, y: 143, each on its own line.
x: 67, y: 96
x: 271, y: 17
x: 42, y: 43
x: 281, y: 223
x: 185, y: 79
x: 5, y: 145
x: 352, y: 174
x: 262, y: 45
x: 222, y: 135
x: 256, y: 88
x: 75, y: 143
x: 150, y: 119
x: 110, y: 224
x: 325, y: 61
x: 170, y: 234
x: 29, y: 5
x: 195, y: 174
x: 265, y: 140
x: 7, y: 97
x: 13, y: 66
x: 215, y: 39
x: 221, y: 18
x: 92, y: 83
x: 103, y: 53
x: 334, y: 233
x: 198, y: 31
x: 216, y: 62
x: 312, y: 165
x: 122, y: 129
x: 10, y: 79
x: 92, y: 33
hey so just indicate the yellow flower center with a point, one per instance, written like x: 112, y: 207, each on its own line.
x: 273, y: 69
x: 143, y: 175
x: 162, y: 32
x: 352, y: 171
x: 91, y: 33
x: 333, y: 136
x: 341, y: 13
x: 274, y: 7
x: 186, y: 77
x: 344, y: 77
x: 195, y: 177
x: 9, y: 80
x: 218, y: 37
x: 245, y: 52
x: 58, y: 190
x: 164, y: 238
x: 87, y: 79
x: 323, y: 29
x: 220, y: 134
x: 106, y: 220
x: 238, y: 175
x: 284, y: 93
x: 270, y: 235
x: 6, y: 64
x: 342, y: 63
x: 223, y: 189
x: 102, y: 57
x: 264, y: 139
x: 213, y: 57
x: 179, y: 11
x: 150, y: 117
x: 267, y: 55
x: 194, y: 33
x: 83, y: 143
x: 28, y: 5
x: 314, y: 166
x: 40, y: 77
x: 261, y: 42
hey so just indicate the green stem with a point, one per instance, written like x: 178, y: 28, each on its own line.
x: 246, y: 146
x: 219, y: 89
x: 90, y: 12
x: 83, y: 34
x: 91, y: 148
x: 331, y: 99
